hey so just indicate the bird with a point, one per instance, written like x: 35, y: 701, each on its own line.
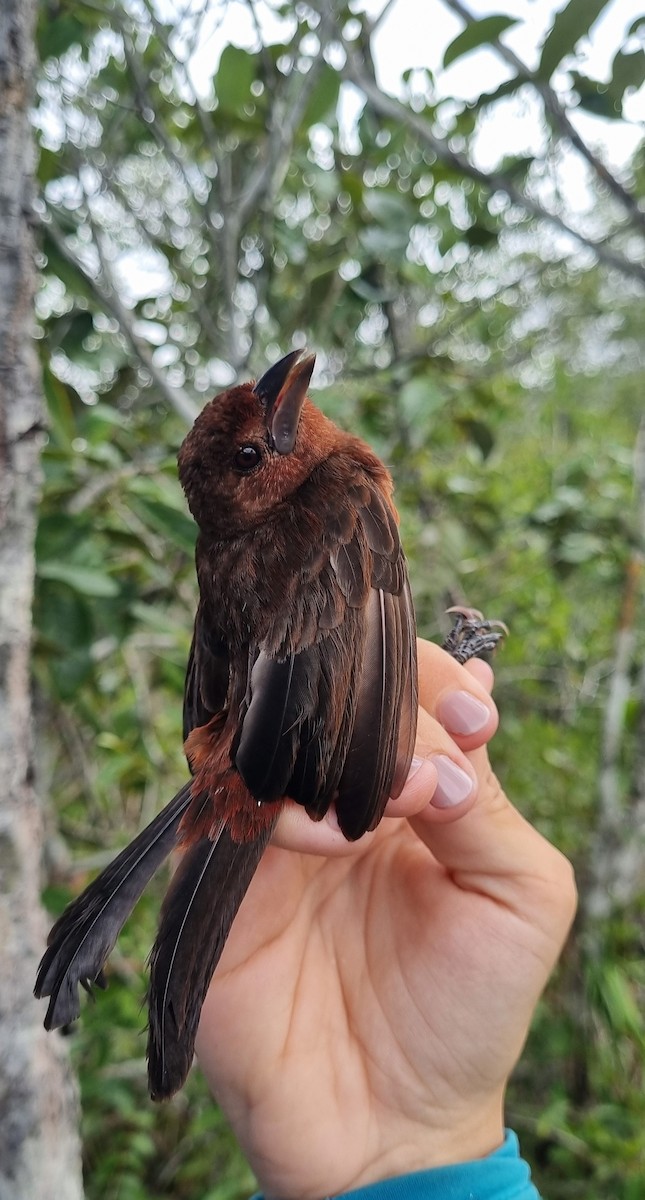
x: 301, y: 685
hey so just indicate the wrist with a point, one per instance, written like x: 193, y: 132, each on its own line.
x: 396, y: 1148
x: 466, y: 1138
x: 501, y: 1173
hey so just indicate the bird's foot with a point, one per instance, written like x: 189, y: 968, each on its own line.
x: 471, y: 635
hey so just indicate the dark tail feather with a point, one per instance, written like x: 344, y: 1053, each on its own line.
x: 83, y: 937
x: 197, y: 914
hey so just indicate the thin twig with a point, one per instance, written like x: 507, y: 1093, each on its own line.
x: 377, y: 21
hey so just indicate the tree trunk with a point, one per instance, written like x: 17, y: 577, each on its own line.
x: 39, y: 1142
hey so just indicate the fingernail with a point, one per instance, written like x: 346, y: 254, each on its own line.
x: 416, y: 765
x: 331, y: 817
x: 454, y: 784
x: 459, y: 712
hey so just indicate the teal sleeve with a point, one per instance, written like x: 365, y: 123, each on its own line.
x: 502, y: 1175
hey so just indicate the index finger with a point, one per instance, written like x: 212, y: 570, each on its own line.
x: 457, y: 696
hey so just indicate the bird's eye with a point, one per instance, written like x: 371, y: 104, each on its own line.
x: 247, y: 457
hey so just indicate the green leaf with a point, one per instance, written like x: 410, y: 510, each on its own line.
x: 322, y: 101
x: 106, y: 414
x: 70, y: 671
x: 373, y: 293
x: 579, y: 547
x: 477, y: 33
x: 480, y: 235
x: 78, y: 326
x: 58, y: 265
x: 55, y: 37
x: 175, y: 525
x: 595, y: 97
x: 388, y: 209
x: 628, y: 71
x: 619, y: 1002
x: 507, y: 88
x: 570, y: 24
x: 384, y: 243
x: 86, y: 580
x: 480, y: 434
x: 59, y: 534
x: 515, y: 166
x: 420, y: 398
x: 59, y: 407
x: 235, y: 74
x: 62, y: 617
x: 565, y: 500
x: 157, y: 618
x: 49, y: 166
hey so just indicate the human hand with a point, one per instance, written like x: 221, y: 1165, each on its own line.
x: 373, y: 997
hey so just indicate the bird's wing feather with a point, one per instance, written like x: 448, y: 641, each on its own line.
x: 207, y: 676
x: 408, y: 688
x: 384, y: 728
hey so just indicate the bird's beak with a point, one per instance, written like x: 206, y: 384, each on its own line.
x: 282, y: 389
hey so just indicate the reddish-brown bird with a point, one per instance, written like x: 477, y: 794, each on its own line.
x: 301, y: 683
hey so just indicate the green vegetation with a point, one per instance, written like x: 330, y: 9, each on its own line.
x: 495, y: 361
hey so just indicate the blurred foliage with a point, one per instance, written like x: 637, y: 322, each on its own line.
x: 187, y: 239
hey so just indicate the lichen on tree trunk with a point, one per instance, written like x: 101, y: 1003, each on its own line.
x: 39, y: 1141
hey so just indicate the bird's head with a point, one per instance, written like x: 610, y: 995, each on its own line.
x: 252, y: 446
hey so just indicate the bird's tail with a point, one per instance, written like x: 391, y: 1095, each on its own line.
x: 198, y: 911
x: 83, y: 937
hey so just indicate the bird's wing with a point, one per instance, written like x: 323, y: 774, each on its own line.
x: 384, y: 729
x: 330, y: 708
x: 207, y: 676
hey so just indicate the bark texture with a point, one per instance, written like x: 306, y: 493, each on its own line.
x: 39, y: 1142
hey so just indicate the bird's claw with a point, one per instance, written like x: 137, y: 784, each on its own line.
x: 472, y: 635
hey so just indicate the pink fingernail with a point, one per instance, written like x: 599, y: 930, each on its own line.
x: 331, y: 817
x: 415, y: 766
x: 454, y: 784
x: 459, y: 712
